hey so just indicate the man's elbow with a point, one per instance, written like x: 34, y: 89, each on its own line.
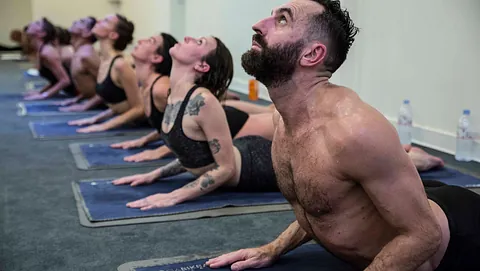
x: 431, y: 237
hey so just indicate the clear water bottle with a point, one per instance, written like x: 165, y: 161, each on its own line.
x: 464, y: 146
x: 404, y: 123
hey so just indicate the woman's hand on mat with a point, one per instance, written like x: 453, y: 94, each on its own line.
x: 244, y: 259
x: 153, y: 202
x: 73, y: 108
x: 92, y: 129
x: 135, y: 180
x: 147, y: 155
x: 67, y: 102
x: 131, y: 144
x: 82, y: 122
x: 31, y: 92
x: 35, y: 97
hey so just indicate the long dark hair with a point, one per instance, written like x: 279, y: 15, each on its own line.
x: 220, y: 75
x: 50, y: 32
x: 165, y: 67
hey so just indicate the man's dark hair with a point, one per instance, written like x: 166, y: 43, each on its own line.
x: 220, y: 75
x: 125, y: 29
x: 334, y: 26
x: 62, y: 36
x: 165, y: 67
x: 90, y: 25
x: 49, y: 29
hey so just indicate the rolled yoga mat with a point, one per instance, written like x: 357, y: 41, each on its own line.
x: 60, y: 130
x: 308, y: 257
x: 102, y: 204
x: 99, y: 155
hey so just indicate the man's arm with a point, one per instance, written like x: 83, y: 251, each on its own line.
x: 375, y: 158
x: 293, y: 237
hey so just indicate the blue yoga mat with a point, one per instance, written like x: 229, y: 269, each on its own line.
x: 102, y: 156
x: 61, y: 130
x: 451, y: 176
x: 104, y: 201
x: 20, y: 97
x: 307, y: 257
x: 48, y: 109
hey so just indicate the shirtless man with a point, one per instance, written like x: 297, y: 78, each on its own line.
x: 84, y: 68
x: 340, y: 163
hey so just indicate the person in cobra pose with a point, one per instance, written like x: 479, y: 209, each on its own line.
x: 116, y: 83
x: 340, y: 163
x: 153, y: 63
x: 195, y: 129
x: 84, y: 67
x: 49, y: 62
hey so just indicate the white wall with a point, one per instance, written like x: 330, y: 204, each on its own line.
x: 14, y: 14
x: 150, y: 16
x: 426, y: 51
x: 64, y: 12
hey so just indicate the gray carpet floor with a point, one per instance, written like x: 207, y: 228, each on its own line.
x: 40, y: 229
x: 38, y: 217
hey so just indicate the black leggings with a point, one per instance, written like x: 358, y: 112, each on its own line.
x: 257, y: 174
x: 462, y: 208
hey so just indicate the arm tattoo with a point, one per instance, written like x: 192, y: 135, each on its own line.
x: 193, y: 107
x: 208, y: 181
x: 214, y: 145
x: 172, y: 169
x: 192, y: 184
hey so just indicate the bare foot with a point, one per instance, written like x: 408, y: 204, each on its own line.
x: 424, y: 161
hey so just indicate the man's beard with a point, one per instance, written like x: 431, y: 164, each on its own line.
x: 272, y: 66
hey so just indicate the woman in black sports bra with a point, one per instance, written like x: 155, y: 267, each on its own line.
x: 50, y: 65
x: 116, y: 83
x: 195, y: 129
x: 153, y: 62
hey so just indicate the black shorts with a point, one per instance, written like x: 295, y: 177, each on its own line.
x: 236, y: 119
x: 257, y: 174
x: 462, y: 208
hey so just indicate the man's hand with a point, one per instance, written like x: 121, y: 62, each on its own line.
x: 148, y: 155
x: 92, y: 129
x: 245, y: 258
x: 73, y: 108
x: 153, y: 202
x: 135, y: 180
x: 83, y: 122
x: 131, y: 144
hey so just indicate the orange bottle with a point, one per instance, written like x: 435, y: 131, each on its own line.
x: 253, y: 90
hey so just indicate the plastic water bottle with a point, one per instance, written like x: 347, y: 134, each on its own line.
x: 404, y: 123
x: 464, y: 146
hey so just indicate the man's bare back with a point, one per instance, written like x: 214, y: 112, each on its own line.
x: 84, y: 70
x: 320, y: 168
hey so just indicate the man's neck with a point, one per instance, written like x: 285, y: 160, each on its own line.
x: 181, y: 78
x: 145, y: 73
x: 106, y: 50
x: 293, y: 98
x: 78, y: 42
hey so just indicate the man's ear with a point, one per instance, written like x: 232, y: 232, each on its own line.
x: 313, y: 55
x: 202, y: 67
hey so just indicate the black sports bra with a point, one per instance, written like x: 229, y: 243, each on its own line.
x: 191, y: 153
x: 52, y: 79
x: 156, y: 117
x: 109, y: 92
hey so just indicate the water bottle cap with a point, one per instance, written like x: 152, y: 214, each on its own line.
x: 466, y: 112
x: 406, y: 101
